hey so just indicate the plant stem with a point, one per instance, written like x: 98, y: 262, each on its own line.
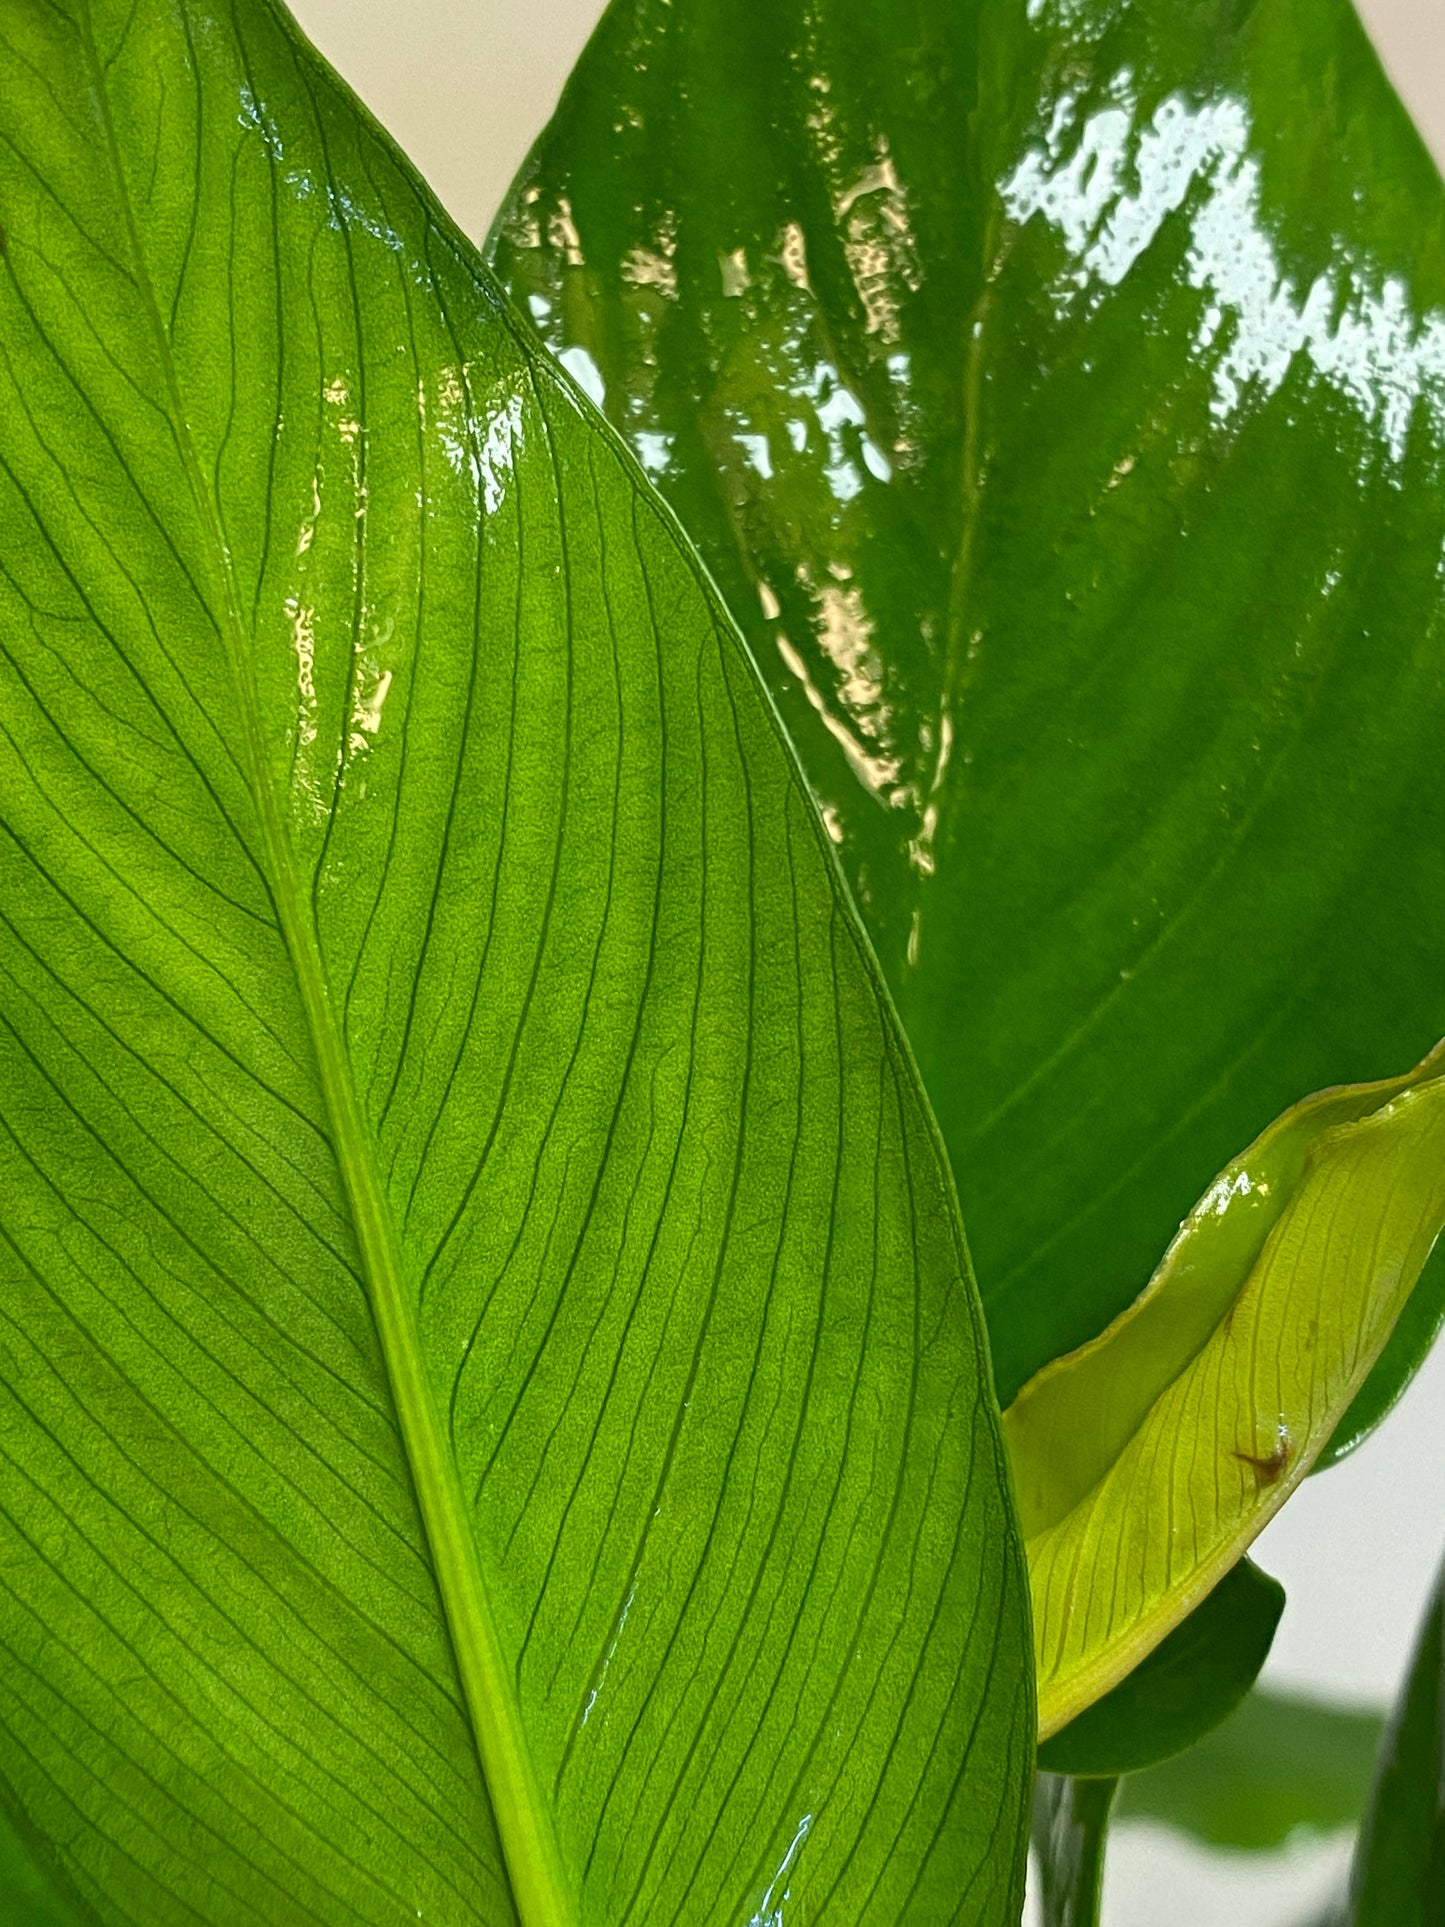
x: 1071, y: 1823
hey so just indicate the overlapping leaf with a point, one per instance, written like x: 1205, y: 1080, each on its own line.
x: 1191, y: 1682
x: 1281, y: 1765
x: 1148, y: 1460
x: 490, y: 1383
x: 1398, y: 1879
x: 1057, y: 393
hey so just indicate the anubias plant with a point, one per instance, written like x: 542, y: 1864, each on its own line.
x: 500, y: 1426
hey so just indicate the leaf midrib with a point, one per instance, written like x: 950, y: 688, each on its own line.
x: 534, y: 1868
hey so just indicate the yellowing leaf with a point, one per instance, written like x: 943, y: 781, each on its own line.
x: 1148, y: 1460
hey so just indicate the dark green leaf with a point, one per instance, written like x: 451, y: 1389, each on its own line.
x: 32, y: 1891
x: 1071, y: 1827
x: 1184, y: 1688
x: 1398, y: 1879
x: 1057, y: 393
x: 1281, y: 1764
x: 490, y: 1383
x: 1405, y: 1352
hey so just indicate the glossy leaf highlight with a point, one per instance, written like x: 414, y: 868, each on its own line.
x: 1148, y: 1460
x: 1057, y: 394
x: 490, y: 1381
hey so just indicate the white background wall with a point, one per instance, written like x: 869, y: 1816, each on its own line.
x: 465, y: 86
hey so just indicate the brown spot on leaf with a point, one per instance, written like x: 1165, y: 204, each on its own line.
x: 1268, y: 1468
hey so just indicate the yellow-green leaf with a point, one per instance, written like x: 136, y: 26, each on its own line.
x: 1191, y: 1681
x: 1148, y: 1460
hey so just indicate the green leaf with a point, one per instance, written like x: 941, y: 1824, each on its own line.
x: 491, y: 1387
x: 1057, y: 394
x: 1406, y: 1350
x: 1398, y: 1879
x: 1189, y: 1683
x: 1148, y: 1460
x: 32, y: 1891
x: 1280, y: 1765
x: 1071, y: 1827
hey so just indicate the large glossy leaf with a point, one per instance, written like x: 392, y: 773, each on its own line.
x: 1281, y: 1765
x: 1149, y: 1459
x: 1191, y: 1681
x: 1056, y: 393
x: 490, y: 1383
x: 1398, y: 1879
